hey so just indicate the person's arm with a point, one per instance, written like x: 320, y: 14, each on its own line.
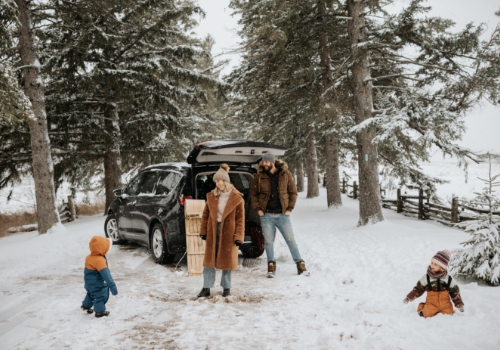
x: 204, y: 221
x: 106, y: 275
x: 455, y: 296
x: 254, y: 193
x: 292, y: 192
x: 417, y: 291
x: 239, y: 234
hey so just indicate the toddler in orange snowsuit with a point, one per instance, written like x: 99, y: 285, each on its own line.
x: 439, y: 287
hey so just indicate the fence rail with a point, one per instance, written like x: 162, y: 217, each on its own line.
x: 67, y: 213
x: 420, y: 207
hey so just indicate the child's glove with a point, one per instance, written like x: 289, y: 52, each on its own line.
x: 461, y: 308
x: 406, y: 301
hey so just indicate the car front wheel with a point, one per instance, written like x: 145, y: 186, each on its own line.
x: 111, y: 229
x: 159, y: 246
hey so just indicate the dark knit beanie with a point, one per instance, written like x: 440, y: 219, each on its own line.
x: 268, y: 157
x: 442, y: 258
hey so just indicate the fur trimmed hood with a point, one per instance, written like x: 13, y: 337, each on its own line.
x: 279, y: 164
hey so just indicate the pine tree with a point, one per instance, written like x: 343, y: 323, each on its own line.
x: 370, y: 208
x: 125, y: 86
x: 480, y: 257
x: 421, y: 95
x: 18, y: 39
x: 287, y: 87
x: 14, y: 105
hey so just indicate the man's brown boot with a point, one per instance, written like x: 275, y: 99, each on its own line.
x: 271, y: 269
x: 301, y: 267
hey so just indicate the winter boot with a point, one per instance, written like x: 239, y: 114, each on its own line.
x: 205, y: 292
x: 226, y: 292
x: 271, y: 269
x: 100, y: 314
x: 88, y: 309
x: 301, y: 267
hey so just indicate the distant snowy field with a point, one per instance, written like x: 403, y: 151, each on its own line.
x: 352, y: 300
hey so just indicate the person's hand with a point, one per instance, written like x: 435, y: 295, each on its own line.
x: 288, y: 212
x: 237, y: 243
x: 114, y: 290
x: 260, y: 212
x: 406, y: 301
x: 461, y: 308
x: 203, y: 237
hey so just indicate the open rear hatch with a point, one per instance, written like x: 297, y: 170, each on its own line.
x: 232, y: 151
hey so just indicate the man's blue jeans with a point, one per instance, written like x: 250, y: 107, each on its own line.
x: 271, y: 222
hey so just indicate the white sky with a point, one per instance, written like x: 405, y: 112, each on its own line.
x: 483, y: 123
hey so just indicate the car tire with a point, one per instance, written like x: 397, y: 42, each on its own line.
x: 251, y: 251
x: 111, y: 229
x: 159, y: 246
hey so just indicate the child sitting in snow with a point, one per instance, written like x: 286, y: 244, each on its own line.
x: 98, y: 280
x: 439, y: 287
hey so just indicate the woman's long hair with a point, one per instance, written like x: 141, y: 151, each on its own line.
x: 227, y: 188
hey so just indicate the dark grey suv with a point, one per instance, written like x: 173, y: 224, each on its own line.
x: 150, y: 209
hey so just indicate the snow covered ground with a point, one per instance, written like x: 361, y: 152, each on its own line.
x: 353, y: 298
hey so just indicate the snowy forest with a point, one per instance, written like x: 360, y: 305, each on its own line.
x: 122, y: 85
x: 92, y: 92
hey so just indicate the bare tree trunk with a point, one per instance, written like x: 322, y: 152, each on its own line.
x: 370, y: 208
x: 312, y: 168
x: 112, y: 160
x: 43, y: 168
x: 299, y: 168
x: 330, y: 115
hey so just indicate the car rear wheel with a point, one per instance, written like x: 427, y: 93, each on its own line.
x: 111, y: 229
x: 159, y: 246
x: 251, y: 251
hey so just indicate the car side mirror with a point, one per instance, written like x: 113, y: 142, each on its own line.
x: 118, y: 192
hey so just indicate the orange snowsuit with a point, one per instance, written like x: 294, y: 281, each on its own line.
x: 439, y: 296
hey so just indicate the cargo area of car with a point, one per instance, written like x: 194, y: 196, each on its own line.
x: 240, y: 180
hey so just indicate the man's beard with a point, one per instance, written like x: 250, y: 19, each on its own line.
x: 267, y: 168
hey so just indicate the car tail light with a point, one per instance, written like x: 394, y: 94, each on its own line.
x: 183, y: 199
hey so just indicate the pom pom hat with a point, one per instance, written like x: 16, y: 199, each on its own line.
x: 442, y: 258
x: 222, y: 173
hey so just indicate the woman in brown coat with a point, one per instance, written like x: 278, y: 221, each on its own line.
x: 223, y: 228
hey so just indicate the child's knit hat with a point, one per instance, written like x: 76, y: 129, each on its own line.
x: 442, y: 258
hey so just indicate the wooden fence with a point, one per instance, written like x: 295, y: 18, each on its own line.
x: 67, y: 211
x: 354, y: 193
x: 420, y: 207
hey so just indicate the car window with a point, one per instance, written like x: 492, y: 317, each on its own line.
x: 142, y: 184
x: 168, y: 181
x: 133, y: 186
x: 148, y: 184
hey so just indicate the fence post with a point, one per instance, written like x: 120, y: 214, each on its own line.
x: 354, y: 190
x: 71, y: 207
x: 454, y: 210
x: 343, y: 185
x: 400, y: 202
x: 421, y: 204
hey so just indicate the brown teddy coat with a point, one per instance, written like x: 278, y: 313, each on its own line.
x: 260, y: 189
x: 232, y: 229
